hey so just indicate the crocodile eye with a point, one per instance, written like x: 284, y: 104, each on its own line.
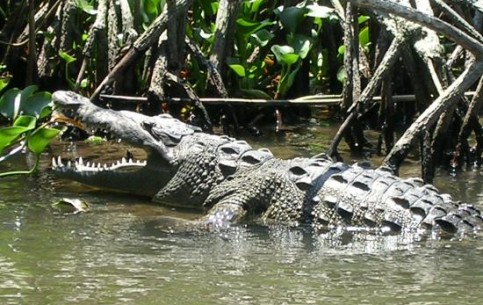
x: 297, y: 171
x: 250, y: 159
x: 229, y: 151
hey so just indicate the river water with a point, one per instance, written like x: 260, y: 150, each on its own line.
x: 121, y: 252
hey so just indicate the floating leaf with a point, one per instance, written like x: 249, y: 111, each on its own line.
x: 73, y: 205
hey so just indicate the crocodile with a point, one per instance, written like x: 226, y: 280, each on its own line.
x: 231, y: 182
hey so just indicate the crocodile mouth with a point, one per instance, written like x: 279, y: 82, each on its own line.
x: 66, y: 116
x: 141, y: 175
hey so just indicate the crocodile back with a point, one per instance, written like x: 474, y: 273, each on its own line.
x: 376, y: 199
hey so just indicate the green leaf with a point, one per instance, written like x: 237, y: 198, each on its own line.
x: 4, y: 80
x: 291, y: 17
x: 341, y: 50
x: 364, y: 38
x: 262, y: 37
x: 84, y: 83
x: 40, y: 138
x: 38, y: 104
x: 255, y: 6
x: 209, y: 7
x: 247, y: 27
x: 363, y: 19
x: 86, y: 7
x: 341, y: 75
x: 9, y: 134
x: 68, y: 59
x: 26, y: 121
x: 8, y: 103
x: 301, y: 44
x: 238, y: 69
x: 287, y: 81
x: 285, y: 54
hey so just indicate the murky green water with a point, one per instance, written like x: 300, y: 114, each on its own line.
x: 119, y: 254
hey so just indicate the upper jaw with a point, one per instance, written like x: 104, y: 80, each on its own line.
x: 157, y: 134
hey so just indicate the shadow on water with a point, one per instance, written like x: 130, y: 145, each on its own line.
x: 122, y: 251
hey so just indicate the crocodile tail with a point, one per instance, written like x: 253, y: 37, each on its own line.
x: 377, y: 199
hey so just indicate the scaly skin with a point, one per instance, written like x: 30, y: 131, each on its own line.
x: 233, y: 182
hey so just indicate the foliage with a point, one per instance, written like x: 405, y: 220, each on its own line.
x: 27, y: 111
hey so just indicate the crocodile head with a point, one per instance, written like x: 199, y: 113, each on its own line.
x: 157, y: 135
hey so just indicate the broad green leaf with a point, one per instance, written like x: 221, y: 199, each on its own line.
x: 40, y: 138
x: 10, y: 134
x: 262, y: 37
x: 301, y: 44
x: 238, y: 69
x: 26, y: 121
x: 285, y: 54
x: 291, y: 17
x: 8, y: 101
x: 319, y: 11
x: 248, y: 27
x: 36, y: 104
